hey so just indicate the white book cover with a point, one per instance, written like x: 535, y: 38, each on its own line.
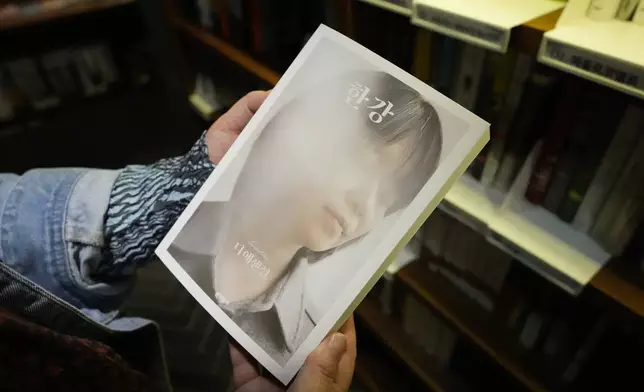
x: 337, y: 170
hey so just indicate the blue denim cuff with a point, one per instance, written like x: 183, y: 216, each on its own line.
x: 51, y: 232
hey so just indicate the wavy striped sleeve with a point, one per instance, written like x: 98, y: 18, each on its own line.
x: 145, y: 201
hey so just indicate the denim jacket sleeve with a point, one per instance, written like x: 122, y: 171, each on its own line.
x: 81, y: 233
x: 52, y: 232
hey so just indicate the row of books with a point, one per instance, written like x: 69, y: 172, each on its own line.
x: 272, y: 30
x: 463, y: 256
x: 589, y: 160
x: 555, y: 333
x: 626, y: 10
x: 41, y: 82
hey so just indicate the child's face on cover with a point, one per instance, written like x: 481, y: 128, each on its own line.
x: 335, y: 181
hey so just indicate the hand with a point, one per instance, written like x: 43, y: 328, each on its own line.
x: 225, y: 130
x: 329, y: 368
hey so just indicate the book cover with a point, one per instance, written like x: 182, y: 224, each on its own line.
x: 339, y: 168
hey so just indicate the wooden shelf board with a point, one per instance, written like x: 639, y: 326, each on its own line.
x: 239, y: 57
x: 59, y: 13
x: 622, y: 281
x: 428, y: 370
x: 470, y: 319
x: 545, y: 22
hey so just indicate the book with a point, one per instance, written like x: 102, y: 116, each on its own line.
x: 605, y: 231
x: 422, y: 55
x: 564, y: 114
x: 618, y: 152
x: 466, y: 86
x: 601, y: 10
x: 526, y: 128
x: 638, y: 17
x: 340, y: 166
x: 589, y: 148
x: 493, y: 90
x: 520, y: 74
x: 445, y: 70
x: 626, y: 9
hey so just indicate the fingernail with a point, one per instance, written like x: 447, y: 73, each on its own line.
x: 337, y: 344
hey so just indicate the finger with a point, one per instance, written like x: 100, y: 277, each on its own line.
x: 259, y: 384
x: 236, y: 118
x: 320, y: 369
x: 348, y: 361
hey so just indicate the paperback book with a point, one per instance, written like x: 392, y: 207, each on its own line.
x: 332, y: 176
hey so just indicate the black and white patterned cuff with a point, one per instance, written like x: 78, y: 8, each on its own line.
x: 144, y: 203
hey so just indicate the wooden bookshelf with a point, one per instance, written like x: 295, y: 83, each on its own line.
x: 622, y: 281
x: 527, y: 37
x: 60, y: 13
x: 473, y: 321
x: 226, y: 49
x: 390, y: 332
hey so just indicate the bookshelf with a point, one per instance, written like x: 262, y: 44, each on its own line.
x: 61, y: 12
x: 473, y: 322
x: 466, y: 202
x: 622, y: 282
x: 237, y: 56
x: 477, y: 208
x: 390, y: 332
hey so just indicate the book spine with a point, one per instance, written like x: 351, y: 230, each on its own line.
x: 618, y: 196
x: 448, y: 59
x: 618, y: 152
x: 512, y: 100
x: 422, y: 55
x: 553, y: 144
x: 602, y: 10
x: 627, y: 9
x: 525, y: 129
x: 598, y: 128
x: 638, y: 16
x: 467, y: 81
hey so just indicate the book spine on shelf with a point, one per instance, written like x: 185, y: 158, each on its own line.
x: 447, y: 63
x: 618, y: 152
x: 422, y: 55
x: 466, y: 85
x: 489, y: 106
x: 585, y: 350
x: 619, y: 195
x: 638, y: 16
x: 526, y: 128
x: 559, y: 127
x: 601, y: 10
x: 512, y: 100
x: 599, y: 123
x: 627, y: 9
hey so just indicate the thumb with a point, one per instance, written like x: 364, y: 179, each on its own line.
x: 321, y: 367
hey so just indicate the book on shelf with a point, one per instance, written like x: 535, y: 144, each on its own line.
x: 512, y: 100
x: 527, y: 126
x: 561, y: 123
x: 638, y: 16
x: 617, y: 217
x: 601, y: 10
x: 423, y: 55
x: 466, y: 86
x: 344, y: 160
x: 620, y: 148
x: 589, y: 149
x: 448, y: 51
x: 490, y: 100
